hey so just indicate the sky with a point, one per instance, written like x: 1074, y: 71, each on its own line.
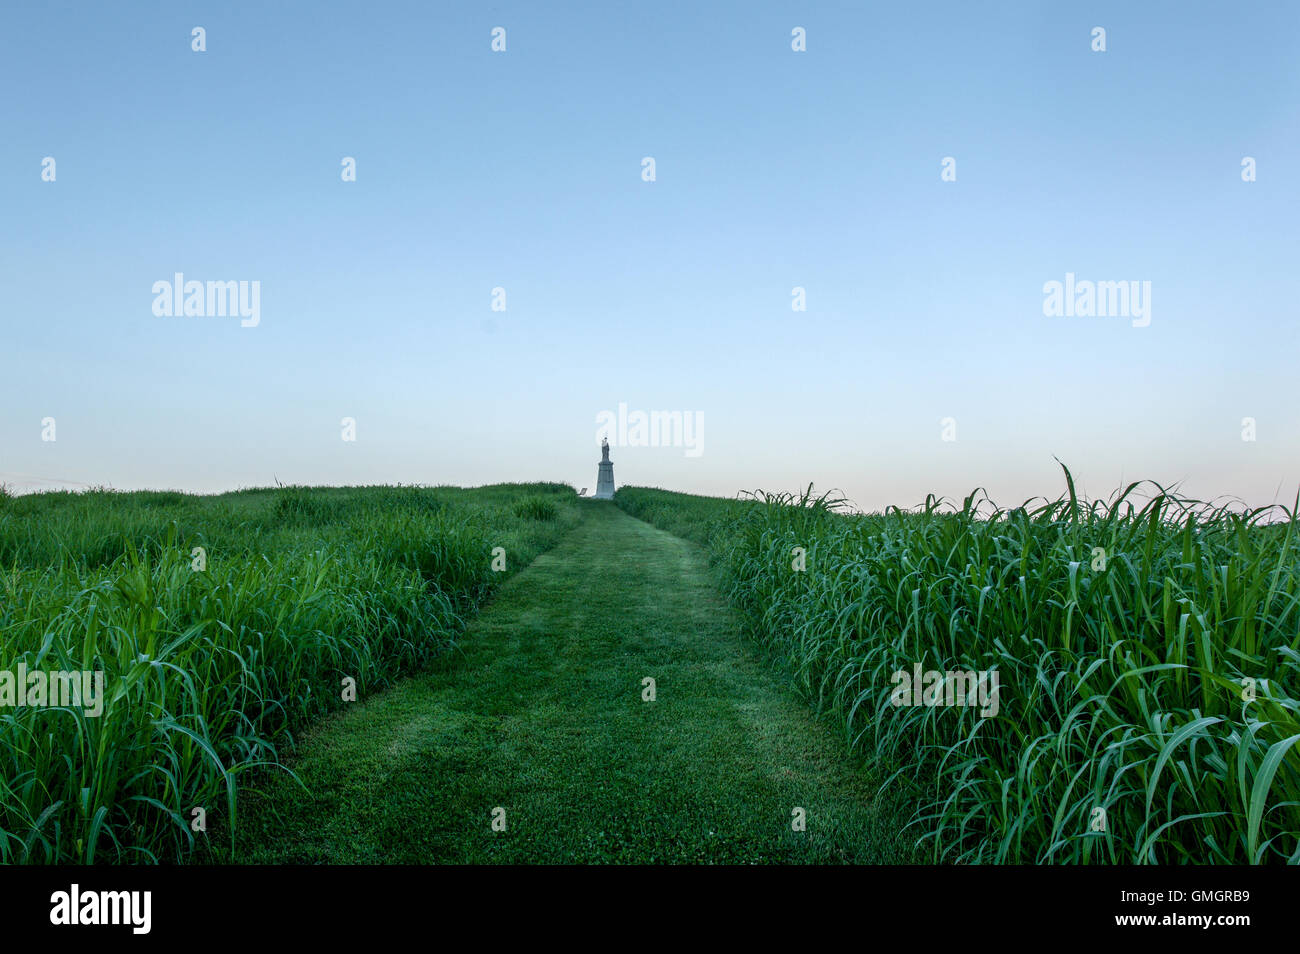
x: 923, y: 361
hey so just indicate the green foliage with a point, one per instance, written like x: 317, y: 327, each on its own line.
x: 210, y: 674
x: 699, y: 519
x: 298, y: 504
x: 542, y: 713
x: 537, y: 508
x: 1121, y: 635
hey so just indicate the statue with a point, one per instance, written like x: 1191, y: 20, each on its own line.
x: 605, y: 473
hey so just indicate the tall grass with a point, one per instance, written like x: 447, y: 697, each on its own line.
x: 536, y: 508
x: 1147, y: 651
x: 210, y: 673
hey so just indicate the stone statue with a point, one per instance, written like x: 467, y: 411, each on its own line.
x: 605, y: 473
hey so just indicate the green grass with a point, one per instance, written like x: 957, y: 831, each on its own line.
x: 210, y: 674
x: 1121, y: 632
x: 540, y: 712
x: 1121, y: 681
x: 536, y: 508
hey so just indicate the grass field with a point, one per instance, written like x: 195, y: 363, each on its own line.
x: 1147, y: 658
x: 223, y: 626
x: 541, y: 712
x: 1146, y: 654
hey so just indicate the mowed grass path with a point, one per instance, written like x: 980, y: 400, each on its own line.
x: 540, y: 711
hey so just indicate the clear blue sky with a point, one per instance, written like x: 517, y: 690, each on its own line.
x: 775, y: 169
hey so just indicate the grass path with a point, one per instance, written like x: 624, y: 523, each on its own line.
x: 540, y: 712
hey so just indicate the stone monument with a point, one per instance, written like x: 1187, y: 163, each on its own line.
x: 605, y: 474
